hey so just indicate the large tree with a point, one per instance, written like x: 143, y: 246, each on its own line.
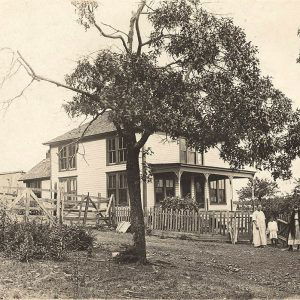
x: 195, y: 76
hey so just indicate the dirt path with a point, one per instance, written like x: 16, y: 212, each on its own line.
x: 178, y: 269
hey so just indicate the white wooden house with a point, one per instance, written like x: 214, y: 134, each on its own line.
x: 10, y: 180
x: 38, y: 178
x: 99, y: 168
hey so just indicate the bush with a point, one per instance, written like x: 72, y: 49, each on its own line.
x: 26, y: 241
x: 177, y: 203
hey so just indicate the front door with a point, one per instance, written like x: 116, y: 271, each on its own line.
x: 199, y: 190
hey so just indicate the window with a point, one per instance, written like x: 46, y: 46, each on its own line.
x: 69, y: 184
x: 117, y: 186
x: 189, y: 155
x: 116, y: 150
x: 67, y: 157
x: 36, y: 184
x: 164, y: 186
x: 217, y: 191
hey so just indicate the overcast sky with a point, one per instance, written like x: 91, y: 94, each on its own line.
x: 48, y: 36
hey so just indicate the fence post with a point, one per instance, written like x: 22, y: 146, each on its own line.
x: 113, y: 211
x: 86, y: 209
x: 98, y: 201
x: 27, y: 204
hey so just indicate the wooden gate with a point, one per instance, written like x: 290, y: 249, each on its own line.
x: 63, y: 208
x: 27, y: 207
x: 86, y: 210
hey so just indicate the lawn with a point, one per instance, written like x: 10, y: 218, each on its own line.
x: 177, y: 269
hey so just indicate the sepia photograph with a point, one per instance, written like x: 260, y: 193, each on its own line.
x: 149, y: 149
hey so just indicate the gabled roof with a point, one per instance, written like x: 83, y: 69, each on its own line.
x: 41, y: 171
x: 101, y: 125
x: 12, y: 172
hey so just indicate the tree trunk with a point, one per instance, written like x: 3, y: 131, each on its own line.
x: 136, y: 210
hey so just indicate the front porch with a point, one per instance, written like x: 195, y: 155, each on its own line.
x: 210, y: 187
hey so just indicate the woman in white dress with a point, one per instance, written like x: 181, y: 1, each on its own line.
x: 259, y: 228
x: 294, y: 229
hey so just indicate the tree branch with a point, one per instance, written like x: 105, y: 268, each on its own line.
x: 142, y: 140
x: 157, y: 38
x: 171, y: 63
x: 131, y: 33
x: 9, y: 101
x: 37, y: 77
x: 117, y: 30
x: 110, y: 36
x: 137, y: 28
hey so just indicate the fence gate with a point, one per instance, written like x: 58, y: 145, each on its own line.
x: 27, y: 206
x: 85, y: 210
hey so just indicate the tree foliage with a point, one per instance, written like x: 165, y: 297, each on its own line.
x: 267, y: 194
x: 211, y: 91
x: 263, y: 188
x: 196, y: 76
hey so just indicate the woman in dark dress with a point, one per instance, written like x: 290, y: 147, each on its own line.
x: 294, y: 229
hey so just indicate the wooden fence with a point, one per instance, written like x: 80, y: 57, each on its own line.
x: 202, y: 223
x: 283, y: 227
x: 23, y: 204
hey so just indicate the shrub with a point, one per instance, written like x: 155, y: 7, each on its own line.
x: 26, y: 241
x: 177, y: 203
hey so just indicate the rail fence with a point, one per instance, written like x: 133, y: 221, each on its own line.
x: 23, y: 204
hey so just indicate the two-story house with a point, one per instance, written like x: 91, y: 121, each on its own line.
x: 98, y: 167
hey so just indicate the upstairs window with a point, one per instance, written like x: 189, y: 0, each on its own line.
x: 217, y: 191
x: 67, y: 157
x: 189, y: 155
x: 116, y: 150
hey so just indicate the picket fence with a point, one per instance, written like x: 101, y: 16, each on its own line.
x: 211, y: 223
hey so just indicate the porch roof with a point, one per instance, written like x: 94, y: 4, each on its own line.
x: 179, y: 167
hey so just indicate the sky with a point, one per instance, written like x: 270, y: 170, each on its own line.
x: 50, y: 39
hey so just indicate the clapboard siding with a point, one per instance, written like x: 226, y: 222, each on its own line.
x: 163, y: 151
x: 91, y: 168
x: 212, y: 158
x: 46, y: 185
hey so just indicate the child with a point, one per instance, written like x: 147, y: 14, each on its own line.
x: 272, y: 230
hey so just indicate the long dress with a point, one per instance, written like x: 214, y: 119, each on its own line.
x: 259, y: 235
x: 295, y: 241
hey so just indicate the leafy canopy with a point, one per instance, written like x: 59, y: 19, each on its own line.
x: 196, y: 76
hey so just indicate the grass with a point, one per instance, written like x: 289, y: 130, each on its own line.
x: 180, y: 269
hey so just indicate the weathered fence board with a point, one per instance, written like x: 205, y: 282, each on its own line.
x: 200, y: 223
x: 63, y: 207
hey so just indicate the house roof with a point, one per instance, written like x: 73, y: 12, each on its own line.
x: 211, y: 170
x: 101, y: 125
x: 12, y: 172
x: 40, y: 171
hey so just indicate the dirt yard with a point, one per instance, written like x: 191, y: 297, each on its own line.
x: 179, y: 269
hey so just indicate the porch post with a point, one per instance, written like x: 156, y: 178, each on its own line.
x: 206, y: 191
x: 252, y: 192
x: 193, y: 188
x: 231, y: 192
x: 178, y: 174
